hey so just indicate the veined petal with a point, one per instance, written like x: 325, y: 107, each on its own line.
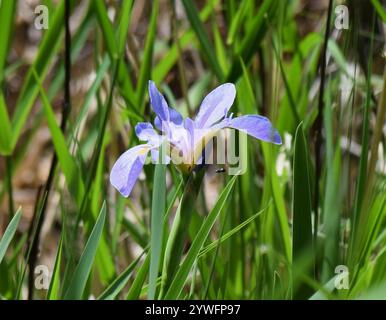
x: 145, y: 131
x: 161, y: 108
x: 175, y: 116
x: 127, y: 168
x: 256, y: 126
x: 158, y: 102
x: 215, y: 105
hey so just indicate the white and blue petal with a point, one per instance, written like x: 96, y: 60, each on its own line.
x: 215, y: 105
x: 256, y: 126
x: 145, y: 131
x: 127, y: 168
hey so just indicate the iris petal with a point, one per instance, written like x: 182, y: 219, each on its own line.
x: 256, y: 126
x: 144, y: 131
x: 215, y: 105
x: 175, y: 116
x: 161, y: 108
x: 158, y: 102
x: 127, y: 168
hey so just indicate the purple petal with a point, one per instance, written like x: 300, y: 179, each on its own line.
x: 145, y: 131
x: 175, y: 116
x: 215, y: 106
x: 158, y: 123
x: 127, y: 168
x: 160, y: 106
x: 257, y: 126
x: 158, y: 102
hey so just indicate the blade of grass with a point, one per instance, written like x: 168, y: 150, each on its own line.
x: 124, y: 25
x: 7, y: 16
x: 49, y: 45
x: 379, y: 9
x: 230, y: 233
x: 106, y: 27
x: 157, y: 215
x: 136, y: 288
x: 82, y: 271
x: 54, y: 288
x: 161, y: 70
x: 236, y: 23
x: 66, y: 161
x: 113, y: 50
x: 251, y: 41
x: 179, y: 231
x: 199, y: 29
x: 332, y: 199
x: 301, y: 208
x: 146, y: 69
x: 5, y: 128
x: 362, y: 182
x: 9, y: 233
x: 119, y: 283
x: 180, y: 278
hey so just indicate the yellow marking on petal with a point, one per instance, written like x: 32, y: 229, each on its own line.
x: 143, y: 150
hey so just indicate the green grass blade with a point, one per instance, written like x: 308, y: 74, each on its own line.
x: 199, y: 29
x: 179, y: 231
x: 7, y: 15
x: 332, y: 199
x: 183, y: 272
x: 101, y: 73
x: 161, y: 70
x: 157, y: 215
x: 106, y: 27
x: 136, y: 288
x: 82, y: 271
x: 379, y: 9
x: 146, y: 69
x: 236, y: 22
x: 9, y: 233
x: 325, y: 291
x: 301, y: 207
x: 113, y: 50
x: 230, y: 233
x: 251, y: 41
x: 47, y: 49
x: 124, y: 25
x: 119, y: 283
x: 66, y: 161
x: 54, y: 288
x: 5, y: 128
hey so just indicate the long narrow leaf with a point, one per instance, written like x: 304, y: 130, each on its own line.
x: 82, y: 271
x: 183, y: 272
x: 9, y: 233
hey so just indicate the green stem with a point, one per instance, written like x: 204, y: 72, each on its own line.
x: 8, y: 160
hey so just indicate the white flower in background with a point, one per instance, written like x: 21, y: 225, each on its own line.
x: 283, y: 164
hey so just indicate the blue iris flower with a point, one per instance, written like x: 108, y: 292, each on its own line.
x: 185, y: 136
